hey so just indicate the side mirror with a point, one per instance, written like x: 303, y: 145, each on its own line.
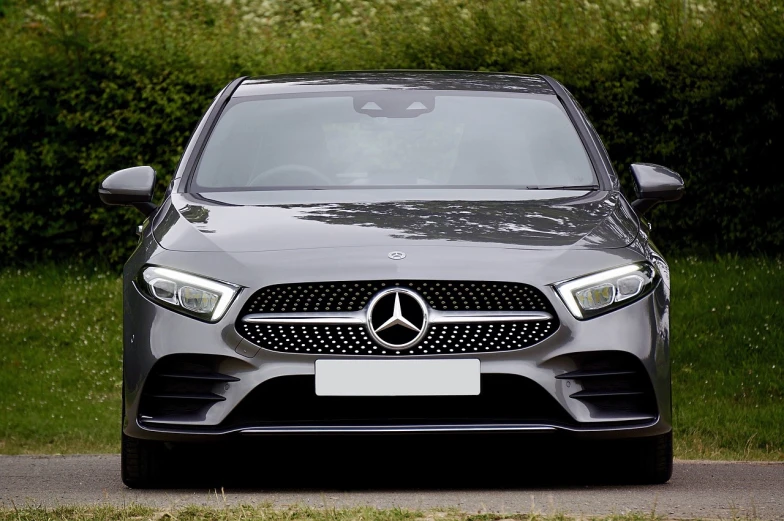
x: 130, y: 187
x: 654, y: 184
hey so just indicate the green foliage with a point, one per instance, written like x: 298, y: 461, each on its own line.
x: 74, y: 111
x: 91, y: 86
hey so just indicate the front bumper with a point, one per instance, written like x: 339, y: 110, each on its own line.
x: 636, y: 332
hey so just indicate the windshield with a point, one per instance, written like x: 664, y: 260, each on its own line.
x: 394, y: 138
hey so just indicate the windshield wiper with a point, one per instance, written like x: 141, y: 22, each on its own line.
x: 564, y: 187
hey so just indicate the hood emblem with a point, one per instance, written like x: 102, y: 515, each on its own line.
x: 397, y: 318
x: 396, y: 255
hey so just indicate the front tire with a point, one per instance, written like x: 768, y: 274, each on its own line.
x: 652, y: 459
x: 140, y: 462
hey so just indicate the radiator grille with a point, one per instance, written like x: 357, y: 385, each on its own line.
x: 440, y: 295
x: 354, y: 339
x: 441, y: 339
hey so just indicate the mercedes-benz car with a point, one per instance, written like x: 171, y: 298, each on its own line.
x: 396, y: 252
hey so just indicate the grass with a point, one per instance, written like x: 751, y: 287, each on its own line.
x: 728, y: 353
x: 60, y: 359
x: 268, y: 513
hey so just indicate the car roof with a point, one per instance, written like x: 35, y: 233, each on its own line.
x: 343, y: 81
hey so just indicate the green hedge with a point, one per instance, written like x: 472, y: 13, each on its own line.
x: 725, y: 135
x: 67, y: 133
x: 96, y: 86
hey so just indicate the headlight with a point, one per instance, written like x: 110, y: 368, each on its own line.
x: 202, y: 298
x: 601, y: 292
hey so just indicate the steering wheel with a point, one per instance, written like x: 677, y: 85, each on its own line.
x: 290, y: 168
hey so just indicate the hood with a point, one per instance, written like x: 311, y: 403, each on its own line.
x: 255, y: 221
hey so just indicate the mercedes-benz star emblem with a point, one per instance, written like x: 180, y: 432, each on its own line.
x: 397, y: 318
x: 396, y: 255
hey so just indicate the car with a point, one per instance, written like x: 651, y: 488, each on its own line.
x: 398, y: 253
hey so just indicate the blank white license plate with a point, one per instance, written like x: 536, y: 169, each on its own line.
x: 397, y: 377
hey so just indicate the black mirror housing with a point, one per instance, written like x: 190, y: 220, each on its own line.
x: 130, y: 187
x: 654, y: 184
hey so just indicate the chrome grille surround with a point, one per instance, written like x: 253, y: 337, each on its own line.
x: 331, y: 318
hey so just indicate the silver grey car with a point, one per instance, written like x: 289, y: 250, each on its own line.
x: 395, y: 252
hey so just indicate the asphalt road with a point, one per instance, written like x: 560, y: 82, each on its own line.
x: 696, y: 490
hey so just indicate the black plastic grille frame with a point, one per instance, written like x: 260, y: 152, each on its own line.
x: 182, y: 385
x: 440, y: 295
x: 505, y: 398
x: 613, y: 383
x: 440, y: 338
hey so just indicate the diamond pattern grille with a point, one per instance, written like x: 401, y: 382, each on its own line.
x: 354, y: 296
x: 440, y: 295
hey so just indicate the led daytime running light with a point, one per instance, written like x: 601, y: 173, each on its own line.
x: 153, y: 276
x: 619, y: 278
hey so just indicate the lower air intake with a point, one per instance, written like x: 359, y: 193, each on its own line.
x: 291, y: 400
x: 613, y: 384
x: 183, y: 386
